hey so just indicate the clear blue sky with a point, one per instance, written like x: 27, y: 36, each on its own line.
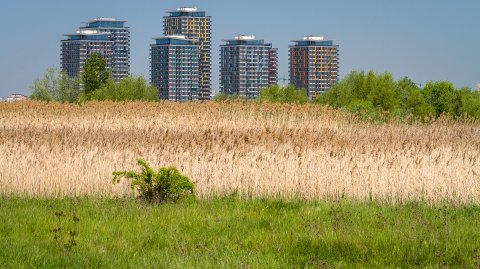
x: 425, y: 40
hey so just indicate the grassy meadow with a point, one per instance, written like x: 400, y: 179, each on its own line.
x: 278, y: 186
x: 236, y: 233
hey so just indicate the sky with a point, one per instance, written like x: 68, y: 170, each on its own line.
x: 422, y: 39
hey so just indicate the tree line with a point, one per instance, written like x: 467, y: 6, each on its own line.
x: 374, y: 96
x: 367, y: 94
x: 95, y: 83
x: 370, y: 94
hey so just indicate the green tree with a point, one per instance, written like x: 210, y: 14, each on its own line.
x: 95, y: 73
x: 403, y: 88
x: 357, y: 87
x: 69, y: 89
x: 365, y: 85
x: 382, y: 93
x: 416, y: 104
x: 338, y: 96
x: 443, y: 97
x: 362, y: 108
x: 44, y: 88
x: 469, y: 103
x: 279, y: 94
x: 128, y: 89
x: 56, y: 86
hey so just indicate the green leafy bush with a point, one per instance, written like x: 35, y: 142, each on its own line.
x: 372, y: 94
x: 362, y: 108
x: 56, y: 85
x: 279, y: 94
x: 128, y: 89
x: 166, y: 184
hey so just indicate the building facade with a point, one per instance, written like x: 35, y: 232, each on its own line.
x: 313, y: 64
x: 174, y: 68
x: 15, y: 97
x: 247, y: 65
x: 79, y: 46
x: 273, y: 66
x: 196, y: 25
x: 106, y: 36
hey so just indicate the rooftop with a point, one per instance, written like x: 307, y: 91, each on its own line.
x: 187, y: 9
x: 314, y: 38
x: 105, y: 19
x: 174, y: 40
x: 85, y: 34
x: 245, y: 37
x: 245, y: 40
x: 178, y: 37
x: 187, y: 12
x: 313, y: 41
x: 102, y: 22
x: 311, y: 38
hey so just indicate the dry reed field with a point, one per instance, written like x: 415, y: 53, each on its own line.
x: 257, y: 150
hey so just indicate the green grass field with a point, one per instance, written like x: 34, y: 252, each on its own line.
x: 234, y: 233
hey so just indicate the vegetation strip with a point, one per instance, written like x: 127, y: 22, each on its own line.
x: 234, y: 233
x: 289, y: 151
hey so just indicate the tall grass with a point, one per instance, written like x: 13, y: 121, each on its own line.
x: 291, y: 151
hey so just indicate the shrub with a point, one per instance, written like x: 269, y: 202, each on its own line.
x: 128, y: 89
x: 56, y: 85
x: 362, y: 108
x: 469, y: 103
x: 378, y: 89
x: 166, y: 184
x: 66, y: 231
x: 279, y: 94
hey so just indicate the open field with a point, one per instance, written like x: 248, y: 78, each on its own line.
x: 233, y: 233
x: 405, y: 195
x: 306, y: 152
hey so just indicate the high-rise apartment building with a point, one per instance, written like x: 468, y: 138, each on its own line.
x: 106, y: 36
x: 79, y: 46
x: 313, y: 64
x: 273, y: 66
x: 174, y: 68
x: 196, y: 25
x: 247, y: 65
